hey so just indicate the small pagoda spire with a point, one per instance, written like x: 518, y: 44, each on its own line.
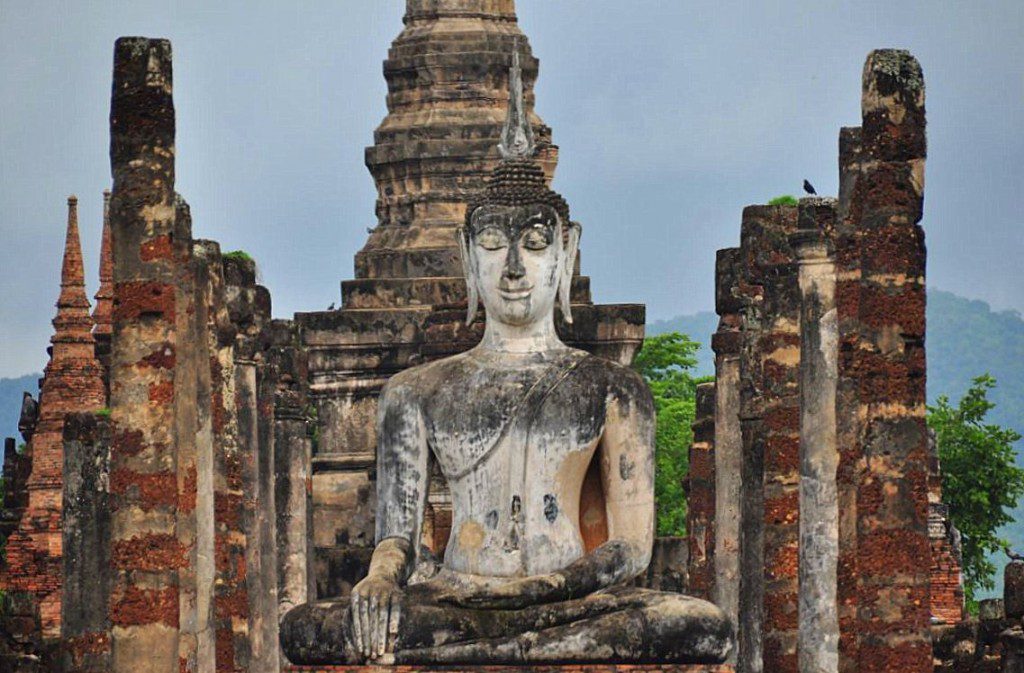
x: 517, y: 135
x: 102, y: 314
x: 72, y: 305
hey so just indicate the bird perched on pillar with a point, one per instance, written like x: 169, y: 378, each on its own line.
x: 809, y: 188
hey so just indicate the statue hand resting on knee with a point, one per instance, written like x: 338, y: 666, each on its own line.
x: 549, y: 455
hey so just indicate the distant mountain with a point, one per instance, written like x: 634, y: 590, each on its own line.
x: 966, y: 338
x: 11, y: 391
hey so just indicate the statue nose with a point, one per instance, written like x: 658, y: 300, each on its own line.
x: 514, y: 263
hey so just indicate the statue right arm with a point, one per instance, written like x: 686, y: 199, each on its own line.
x: 403, y: 469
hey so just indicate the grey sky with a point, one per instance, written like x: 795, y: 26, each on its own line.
x: 671, y: 116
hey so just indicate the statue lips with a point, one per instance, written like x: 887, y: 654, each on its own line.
x: 515, y: 293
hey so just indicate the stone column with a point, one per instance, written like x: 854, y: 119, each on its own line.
x: 818, y: 641
x: 728, y: 439
x: 293, y: 469
x: 146, y: 555
x: 86, y: 515
x: 700, y: 519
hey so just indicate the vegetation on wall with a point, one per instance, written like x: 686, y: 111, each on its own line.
x: 666, y: 362
x: 784, y: 200
x: 981, y: 482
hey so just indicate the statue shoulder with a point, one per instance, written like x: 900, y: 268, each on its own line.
x: 418, y: 383
x: 623, y: 384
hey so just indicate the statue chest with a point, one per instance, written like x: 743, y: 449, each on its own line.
x: 515, y: 479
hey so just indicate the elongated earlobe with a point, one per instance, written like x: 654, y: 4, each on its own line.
x: 572, y: 248
x: 472, y: 295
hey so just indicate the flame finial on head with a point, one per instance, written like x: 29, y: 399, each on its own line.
x: 517, y: 135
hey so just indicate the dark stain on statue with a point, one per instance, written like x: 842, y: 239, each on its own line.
x: 626, y: 468
x: 550, y: 508
x: 492, y: 519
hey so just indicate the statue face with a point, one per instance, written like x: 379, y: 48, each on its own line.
x: 517, y: 257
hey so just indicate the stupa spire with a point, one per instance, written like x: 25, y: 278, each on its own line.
x: 104, y: 296
x: 72, y: 322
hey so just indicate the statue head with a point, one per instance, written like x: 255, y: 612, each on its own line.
x: 518, y: 244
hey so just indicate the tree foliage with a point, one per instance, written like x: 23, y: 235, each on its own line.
x: 980, y: 480
x: 666, y: 362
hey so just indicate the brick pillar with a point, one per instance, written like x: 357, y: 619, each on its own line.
x: 101, y: 314
x: 72, y: 383
x: 769, y: 413
x: 231, y: 601
x: 700, y: 515
x: 293, y: 468
x: 728, y: 439
x: 947, y: 583
x: 779, y: 351
x: 848, y: 425
x: 249, y: 310
x: 85, y: 624
x: 818, y: 646
x: 887, y: 362
x: 750, y: 628
x: 146, y: 552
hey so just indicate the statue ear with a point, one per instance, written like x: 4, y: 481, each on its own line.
x: 468, y: 271
x: 569, y: 253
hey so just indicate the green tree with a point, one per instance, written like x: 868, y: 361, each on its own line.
x: 666, y: 362
x: 980, y: 480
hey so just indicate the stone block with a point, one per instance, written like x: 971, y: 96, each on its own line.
x: 1013, y: 590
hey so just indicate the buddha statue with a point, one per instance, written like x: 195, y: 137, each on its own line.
x: 515, y: 425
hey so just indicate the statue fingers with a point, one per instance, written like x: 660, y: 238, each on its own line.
x: 381, y: 625
x: 371, y: 624
x: 357, y: 623
x: 364, y: 617
x: 394, y: 617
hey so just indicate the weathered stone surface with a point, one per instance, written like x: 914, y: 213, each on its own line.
x: 700, y: 513
x: 1013, y: 589
x: 86, y: 525
x: 818, y: 638
x: 146, y: 553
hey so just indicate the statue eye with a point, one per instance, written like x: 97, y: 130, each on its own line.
x: 536, y: 238
x: 491, y: 238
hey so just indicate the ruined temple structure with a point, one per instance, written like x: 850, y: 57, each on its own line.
x: 194, y: 469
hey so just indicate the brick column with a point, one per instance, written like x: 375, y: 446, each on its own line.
x: 728, y: 439
x: 101, y: 314
x: 146, y: 552
x: 889, y: 362
x: 249, y: 310
x: 818, y: 646
x: 769, y: 416
x: 700, y: 515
